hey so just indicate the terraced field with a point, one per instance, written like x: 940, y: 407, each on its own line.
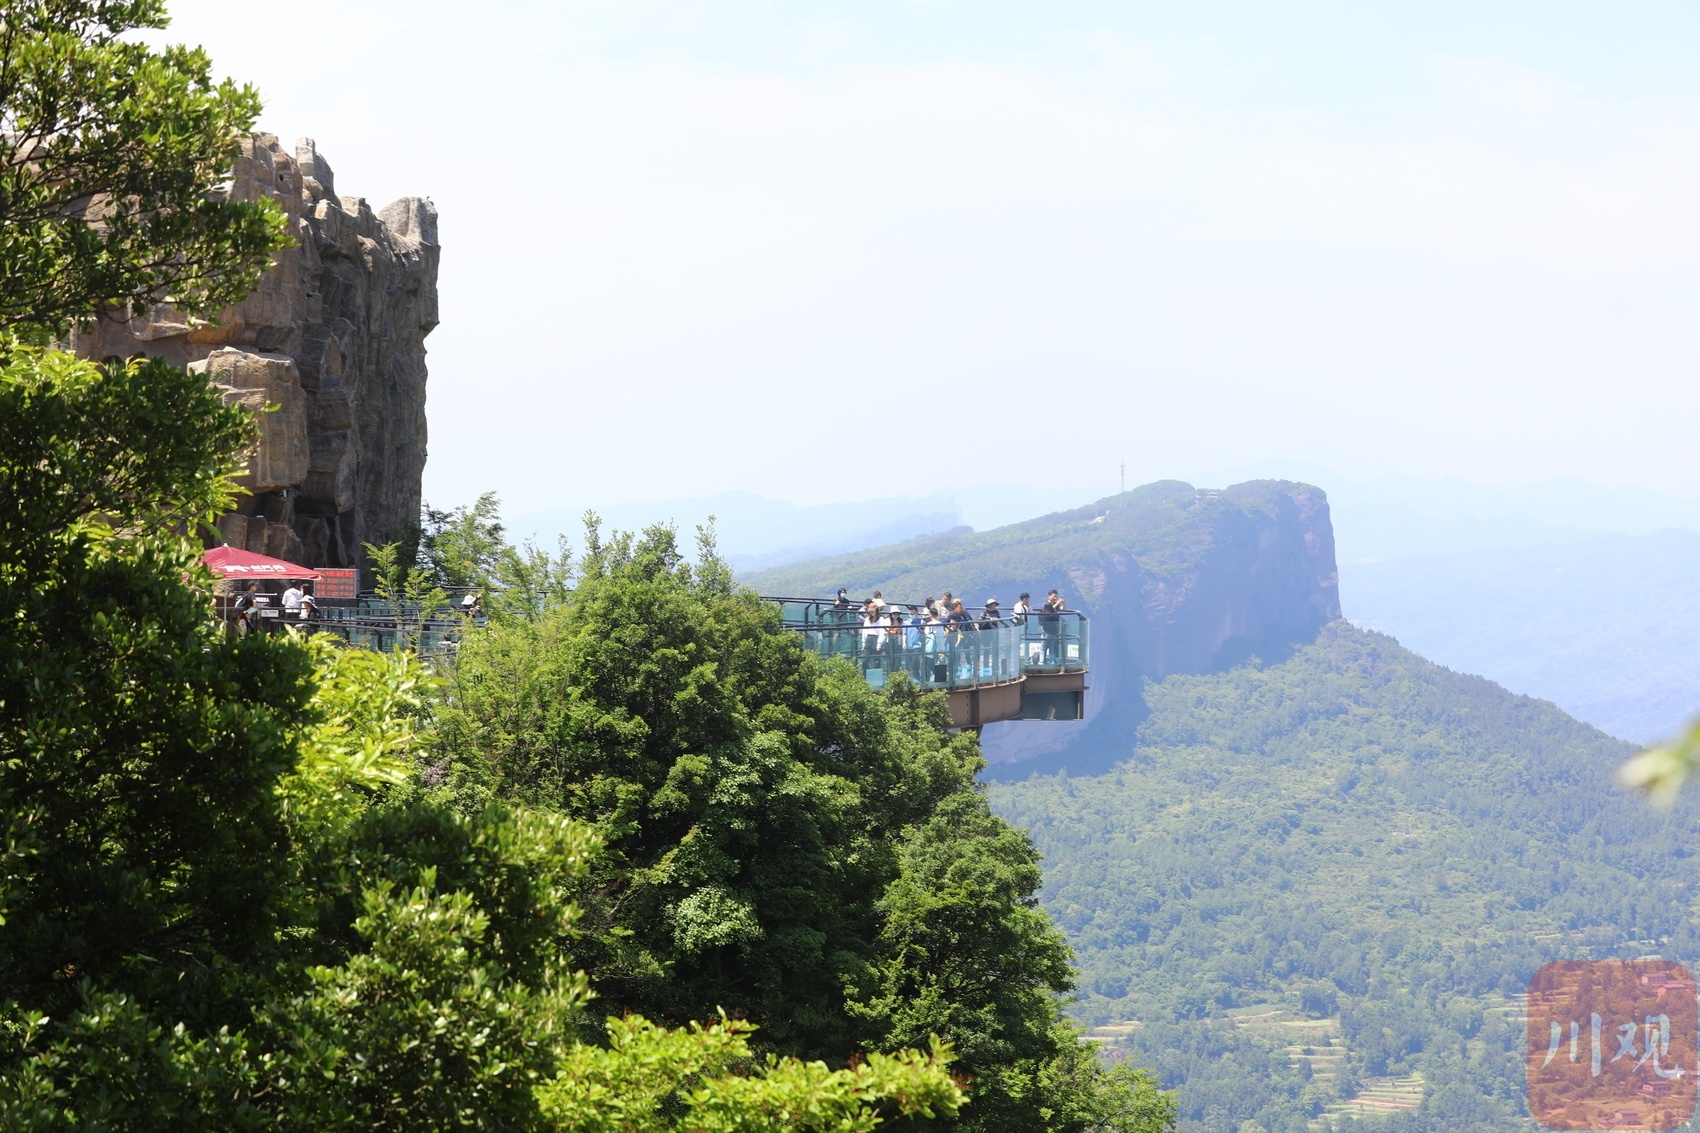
x: 1317, y: 1043
x: 1382, y: 1096
x: 1112, y: 1032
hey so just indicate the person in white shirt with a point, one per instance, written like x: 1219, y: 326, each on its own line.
x: 292, y: 600
x: 872, y: 631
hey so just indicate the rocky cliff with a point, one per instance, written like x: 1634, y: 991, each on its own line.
x: 332, y: 347
x: 1174, y: 579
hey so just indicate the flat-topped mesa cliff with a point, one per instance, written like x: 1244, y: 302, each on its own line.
x: 334, y: 339
x: 1174, y: 579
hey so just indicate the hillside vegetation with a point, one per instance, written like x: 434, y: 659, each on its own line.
x: 1328, y: 878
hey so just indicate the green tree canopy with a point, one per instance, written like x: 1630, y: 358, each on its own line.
x: 781, y: 841
x: 138, y: 750
x: 114, y: 158
x: 223, y: 902
x: 466, y: 548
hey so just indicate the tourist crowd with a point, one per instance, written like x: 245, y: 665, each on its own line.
x: 927, y: 634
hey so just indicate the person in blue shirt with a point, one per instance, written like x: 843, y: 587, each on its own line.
x: 912, y: 635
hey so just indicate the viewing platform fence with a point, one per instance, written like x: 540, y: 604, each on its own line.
x: 992, y: 668
x: 382, y: 627
x: 966, y: 655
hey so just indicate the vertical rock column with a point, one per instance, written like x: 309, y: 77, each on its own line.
x: 332, y: 346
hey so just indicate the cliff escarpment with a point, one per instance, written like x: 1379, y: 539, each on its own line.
x: 330, y: 353
x: 1174, y: 579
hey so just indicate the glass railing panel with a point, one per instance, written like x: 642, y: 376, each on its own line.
x: 933, y: 656
x: 1055, y: 645
x: 803, y: 612
x: 798, y: 612
x: 938, y: 656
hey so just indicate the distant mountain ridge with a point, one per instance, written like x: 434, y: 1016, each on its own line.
x: 1577, y: 592
x: 1604, y: 627
x: 1175, y: 579
x: 755, y: 532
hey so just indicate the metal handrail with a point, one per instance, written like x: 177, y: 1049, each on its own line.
x: 830, y: 605
x: 381, y: 626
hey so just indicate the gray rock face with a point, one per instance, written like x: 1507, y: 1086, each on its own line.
x: 334, y: 338
x: 270, y: 385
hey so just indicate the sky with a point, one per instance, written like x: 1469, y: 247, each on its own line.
x: 829, y: 252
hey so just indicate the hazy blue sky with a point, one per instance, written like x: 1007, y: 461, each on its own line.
x: 835, y: 251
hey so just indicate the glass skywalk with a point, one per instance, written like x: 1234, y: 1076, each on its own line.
x: 938, y: 656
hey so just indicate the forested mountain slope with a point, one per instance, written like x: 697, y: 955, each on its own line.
x: 1176, y: 579
x: 1363, y: 839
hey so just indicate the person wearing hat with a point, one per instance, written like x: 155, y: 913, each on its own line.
x: 992, y: 617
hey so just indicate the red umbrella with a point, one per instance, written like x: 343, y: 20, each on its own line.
x: 234, y: 563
